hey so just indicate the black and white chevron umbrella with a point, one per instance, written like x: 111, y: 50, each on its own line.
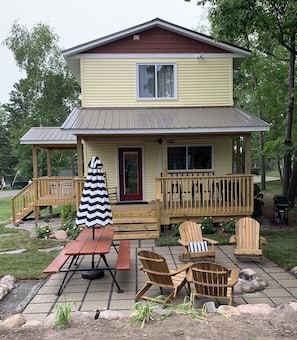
x: 94, y: 209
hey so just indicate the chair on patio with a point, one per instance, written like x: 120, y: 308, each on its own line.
x: 247, y: 240
x: 156, y: 268
x: 196, y: 246
x: 212, y: 280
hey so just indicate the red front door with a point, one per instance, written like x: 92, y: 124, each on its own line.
x: 130, y: 162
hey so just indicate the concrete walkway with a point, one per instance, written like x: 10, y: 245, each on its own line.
x: 90, y: 295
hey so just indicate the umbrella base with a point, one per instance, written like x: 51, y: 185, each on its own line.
x: 92, y: 274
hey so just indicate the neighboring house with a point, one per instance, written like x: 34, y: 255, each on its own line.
x: 157, y: 108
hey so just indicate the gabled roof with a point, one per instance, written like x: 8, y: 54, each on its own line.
x: 148, y: 25
x: 73, y: 55
x: 164, y: 121
x: 44, y: 136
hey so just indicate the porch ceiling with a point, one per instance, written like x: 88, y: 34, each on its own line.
x: 166, y: 121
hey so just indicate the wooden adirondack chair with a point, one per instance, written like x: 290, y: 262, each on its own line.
x: 212, y: 280
x: 196, y: 246
x: 247, y: 240
x: 156, y: 268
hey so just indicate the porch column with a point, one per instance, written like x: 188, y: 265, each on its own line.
x: 164, y: 157
x: 48, y: 162
x: 34, y: 158
x: 248, y: 154
x: 49, y: 173
x: 238, y: 155
x: 79, y: 156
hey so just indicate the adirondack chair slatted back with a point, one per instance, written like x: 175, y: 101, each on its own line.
x: 247, y: 233
x: 190, y: 232
x: 210, y: 279
x: 156, y: 267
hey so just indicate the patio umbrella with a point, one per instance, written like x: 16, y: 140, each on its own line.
x: 94, y: 209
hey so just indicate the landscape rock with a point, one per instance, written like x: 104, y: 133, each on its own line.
x: 59, y: 235
x: 210, y: 307
x: 32, y: 323
x: 8, y: 281
x: 80, y: 317
x: 260, y: 308
x: 246, y: 274
x: 284, y: 308
x: 6, y: 285
x: 49, y: 321
x: 249, y: 282
x: 293, y: 305
x: 14, y: 321
x: 293, y: 271
x: 110, y: 315
x: 228, y: 310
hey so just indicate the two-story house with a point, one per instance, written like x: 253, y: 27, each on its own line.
x: 157, y: 108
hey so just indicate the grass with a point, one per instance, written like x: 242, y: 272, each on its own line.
x: 30, y: 263
x: 6, y: 209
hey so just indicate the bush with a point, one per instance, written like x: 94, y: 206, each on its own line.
x: 207, y: 226
x: 71, y: 229
x: 68, y: 212
x: 228, y: 227
x: 43, y: 232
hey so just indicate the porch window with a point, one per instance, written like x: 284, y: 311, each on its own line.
x: 190, y: 157
x: 156, y: 81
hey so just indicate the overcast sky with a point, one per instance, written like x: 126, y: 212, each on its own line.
x: 79, y: 21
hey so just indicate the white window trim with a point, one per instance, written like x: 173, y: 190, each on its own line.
x: 174, y: 64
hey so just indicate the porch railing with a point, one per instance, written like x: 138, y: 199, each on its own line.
x: 228, y: 195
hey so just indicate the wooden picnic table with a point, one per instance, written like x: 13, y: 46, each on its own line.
x: 91, y: 243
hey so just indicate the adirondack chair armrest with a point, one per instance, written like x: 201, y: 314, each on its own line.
x: 232, y: 239
x: 209, y: 240
x: 233, y: 277
x: 183, y: 243
x: 184, y: 267
x: 263, y: 240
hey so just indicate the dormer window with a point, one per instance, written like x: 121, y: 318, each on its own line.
x: 156, y: 81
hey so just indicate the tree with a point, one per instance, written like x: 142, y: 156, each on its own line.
x: 8, y: 161
x: 44, y: 97
x: 271, y: 25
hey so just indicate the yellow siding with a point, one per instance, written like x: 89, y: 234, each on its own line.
x: 152, y: 169
x: 108, y: 153
x: 201, y: 82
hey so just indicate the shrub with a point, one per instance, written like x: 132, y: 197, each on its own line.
x: 207, y: 226
x: 43, y: 232
x: 228, y: 227
x: 71, y: 229
x: 68, y: 212
x: 175, y: 230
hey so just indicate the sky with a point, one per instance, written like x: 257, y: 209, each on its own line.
x: 80, y: 21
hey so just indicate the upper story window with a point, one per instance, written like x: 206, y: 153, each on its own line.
x: 156, y: 81
x: 190, y: 157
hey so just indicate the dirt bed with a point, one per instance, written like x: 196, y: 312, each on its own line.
x: 174, y: 327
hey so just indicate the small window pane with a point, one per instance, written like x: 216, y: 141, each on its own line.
x: 146, y: 81
x: 165, y: 78
x: 177, y: 158
x: 199, y: 157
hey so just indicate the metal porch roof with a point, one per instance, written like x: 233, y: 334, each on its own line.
x: 145, y: 121
x: 48, y: 135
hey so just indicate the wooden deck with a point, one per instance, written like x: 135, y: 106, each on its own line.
x: 177, y: 199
